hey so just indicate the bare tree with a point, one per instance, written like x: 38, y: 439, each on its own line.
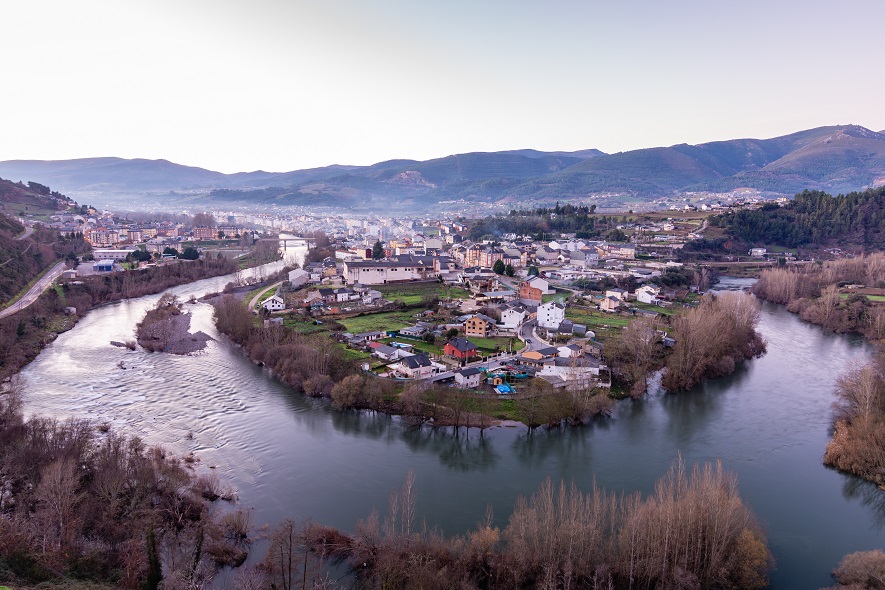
x: 58, y: 495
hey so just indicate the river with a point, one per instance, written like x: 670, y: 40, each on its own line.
x: 289, y: 455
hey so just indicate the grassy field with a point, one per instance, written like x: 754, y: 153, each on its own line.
x: 594, y: 319
x: 488, y: 344
x: 355, y: 355
x: 660, y: 310
x: 391, y: 320
x: 876, y: 298
x: 305, y: 327
x: 414, y: 293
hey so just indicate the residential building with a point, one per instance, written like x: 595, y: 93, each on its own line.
x: 468, y: 378
x: 204, y: 233
x: 648, y: 294
x: 274, y: 303
x: 298, y: 278
x: 533, y: 289
x: 479, y: 325
x: 513, y: 316
x: 489, y: 256
x: 550, y: 315
x: 460, y: 348
x: 610, y: 304
x: 417, y: 366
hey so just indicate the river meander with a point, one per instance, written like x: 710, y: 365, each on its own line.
x: 288, y: 455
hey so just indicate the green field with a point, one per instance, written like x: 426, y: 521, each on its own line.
x: 660, y: 310
x: 595, y: 319
x: 305, y: 327
x: 391, y: 320
x: 876, y: 298
x: 488, y: 344
x: 415, y: 293
x: 355, y: 355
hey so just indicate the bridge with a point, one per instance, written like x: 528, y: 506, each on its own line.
x: 291, y: 241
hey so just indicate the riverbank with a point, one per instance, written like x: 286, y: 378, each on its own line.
x: 709, y: 341
x: 82, y: 503
x: 288, y: 454
x: 835, y: 295
x: 26, y: 333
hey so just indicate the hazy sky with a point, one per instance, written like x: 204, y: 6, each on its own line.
x: 287, y: 84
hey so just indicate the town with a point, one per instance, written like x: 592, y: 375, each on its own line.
x: 418, y: 299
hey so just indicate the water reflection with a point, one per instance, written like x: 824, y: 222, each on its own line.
x: 869, y: 495
x: 461, y: 450
x: 365, y: 424
x: 567, y: 446
x: 289, y: 454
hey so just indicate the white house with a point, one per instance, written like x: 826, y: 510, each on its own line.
x: 417, y: 366
x: 648, y: 294
x: 274, y: 303
x: 298, y: 278
x: 616, y: 293
x: 468, y: 377
x: 512, y: 317
x: 572, y: 350
x: 577, y: 372
x: 550, y: 315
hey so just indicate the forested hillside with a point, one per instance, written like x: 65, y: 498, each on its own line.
x: 17, y: 198
x: 813, y: 217
x: 543, y: 221
x: 23, y: 260
x: 836, y: 159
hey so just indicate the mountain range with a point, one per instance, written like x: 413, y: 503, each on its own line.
x: 835, y: 159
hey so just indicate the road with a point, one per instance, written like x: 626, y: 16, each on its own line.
x: 254, y: 300
x: 29, y: 229
x: 35, y: 291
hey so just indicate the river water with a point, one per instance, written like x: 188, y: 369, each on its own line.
x: 289, y: 455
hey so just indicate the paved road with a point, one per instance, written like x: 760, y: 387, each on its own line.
x: 29, y: 229
x: 254, y: 300
x: 34, y: 292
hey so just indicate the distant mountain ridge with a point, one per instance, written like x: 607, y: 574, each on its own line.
x: 836, y: 159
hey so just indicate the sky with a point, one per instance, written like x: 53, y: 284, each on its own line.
x: 281, y: 85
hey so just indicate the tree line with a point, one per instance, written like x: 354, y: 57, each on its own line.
x: 707, y: 341
x: 693, y: 531
x: 812, y: 218
x: 814, y: 292
x: 543, y: 221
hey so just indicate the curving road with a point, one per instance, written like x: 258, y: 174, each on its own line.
x: 35, y: 291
